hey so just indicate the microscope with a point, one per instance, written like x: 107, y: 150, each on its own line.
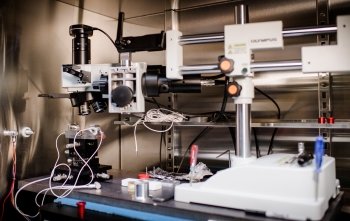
x: 275, y: 185
x: 118, y: 87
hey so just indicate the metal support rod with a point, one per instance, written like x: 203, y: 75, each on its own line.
x: 174, y: 15
x: 243, y: 130
x: 125, y: 59
x: 241, y: 14
x: 276, y: 66
x: 309, y: 31
x: 219, y: 37
x: 199, y: 69
x: 242, y: 109
x: 255, y: 67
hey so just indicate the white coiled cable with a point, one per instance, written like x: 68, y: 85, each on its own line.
x: 63, y: 186
x: 159, y: 115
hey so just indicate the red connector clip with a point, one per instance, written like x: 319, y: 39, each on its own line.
x: 324, y: 120
x: 330, y: 120
x: 81, y: 210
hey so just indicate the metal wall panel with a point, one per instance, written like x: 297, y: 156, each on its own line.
x: 35, y: 42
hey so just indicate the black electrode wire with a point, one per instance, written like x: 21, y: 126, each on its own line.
x: 224, y: 101
x: 233, y: 136
x: 257, y: 147
x: 160, y: 148
x: 205, y: 130
x: 155, y: 102
x: 273, y: 101
x: 109, y: 37
x: 215, y: 118
x: 269, y: 151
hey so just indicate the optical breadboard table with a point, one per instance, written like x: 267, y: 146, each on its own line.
x: 115, y: 202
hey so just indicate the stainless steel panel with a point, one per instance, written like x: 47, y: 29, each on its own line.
x: 111, y: 8
x: 32, y: 53
x: 35, y: 42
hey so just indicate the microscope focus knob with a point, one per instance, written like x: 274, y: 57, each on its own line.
x: 226, y: 65
x: 122, y: 96
x: 234, y: 89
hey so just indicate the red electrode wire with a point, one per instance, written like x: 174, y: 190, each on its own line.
x: 12, y: 186
x: 193, y: 156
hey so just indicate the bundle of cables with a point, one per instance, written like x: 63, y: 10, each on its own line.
x: 162, y: 115
x: 67, y: 188
x: 159, y: 115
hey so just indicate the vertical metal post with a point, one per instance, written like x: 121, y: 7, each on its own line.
x: 125, y: 59
x: 173, y: 137
x: 173, y: 140
x: 174, y: 15
x: 243, y: 130
x: 243, y: 111
x: 241, y: 14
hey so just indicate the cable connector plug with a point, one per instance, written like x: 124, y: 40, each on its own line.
x: 95, y: 130
x: 26, y: 132
x: 10, y: 133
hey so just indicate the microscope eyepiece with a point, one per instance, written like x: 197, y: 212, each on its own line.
x: 81, y: 49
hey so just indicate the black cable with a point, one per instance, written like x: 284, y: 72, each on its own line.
x: 189, y: 146
x: 187, y: 114
x: 233, y: 137
x: 155, y: 102
x: 224, y: 101
x: 160, y: 149
x: 273, y: 101
x: 109, y: 37
x: 222, y: 112
x: 269, y: 151
x: 212, y: 77
x: 220, y: 115
x: 193, y: 141
x: 257, y: 147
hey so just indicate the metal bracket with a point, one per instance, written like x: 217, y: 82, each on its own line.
x: 334, y: 57
x: 325, y: 78
x: 172, y: 140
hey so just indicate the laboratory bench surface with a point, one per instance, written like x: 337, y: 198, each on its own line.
x: 113, y: 197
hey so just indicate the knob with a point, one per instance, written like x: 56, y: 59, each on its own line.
x: 26, y: 132
x: 226, y: 65
x: 122, y: 96
x: 234, y: 89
